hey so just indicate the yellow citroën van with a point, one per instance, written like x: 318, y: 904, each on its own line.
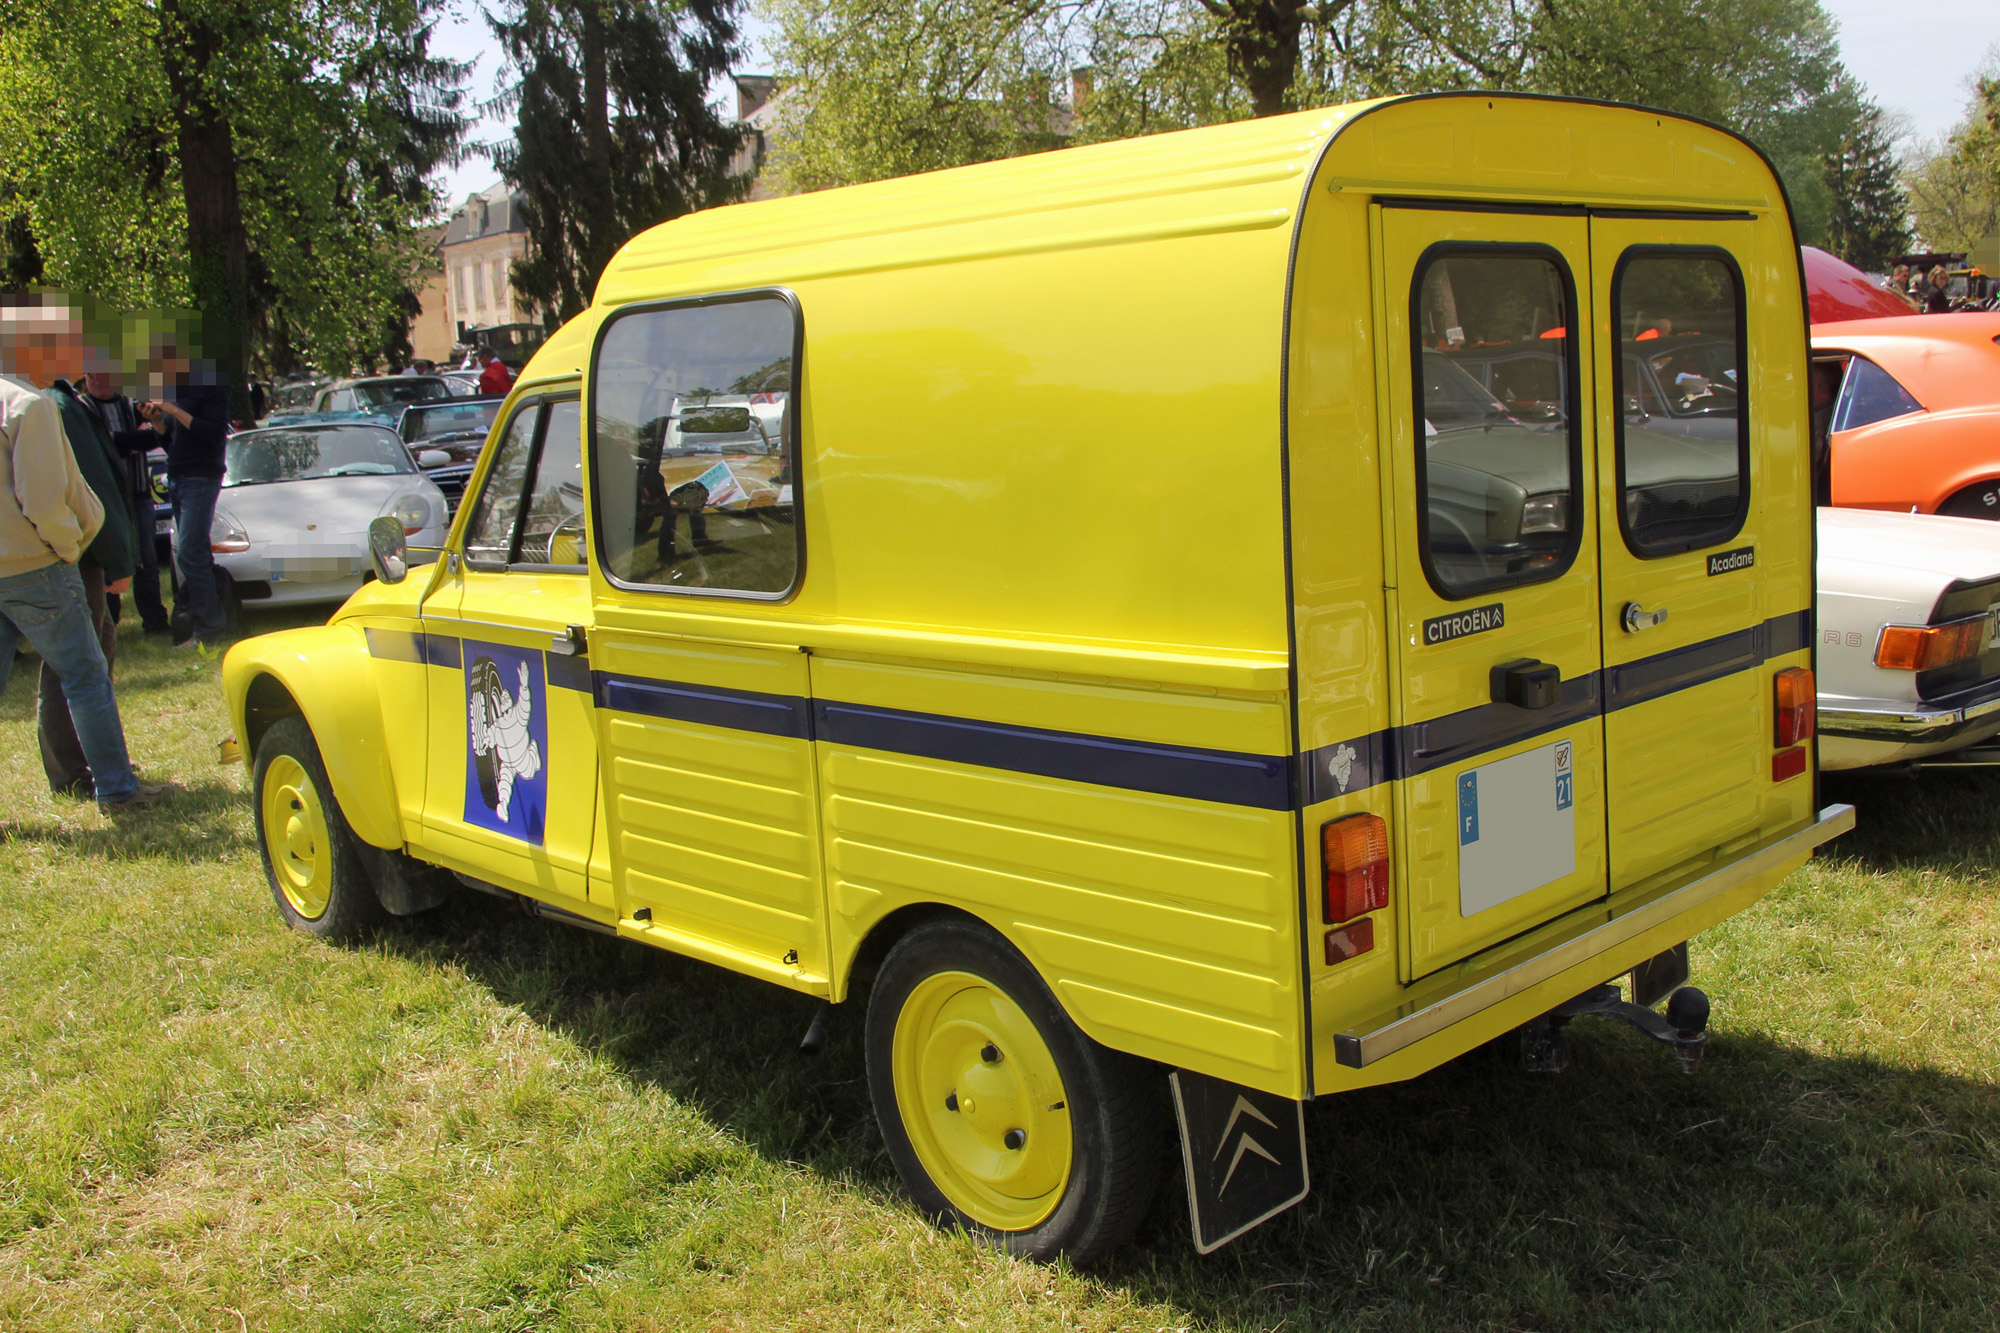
x: 1195, y: 625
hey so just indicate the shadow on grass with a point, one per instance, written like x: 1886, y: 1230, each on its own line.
x: 1777, y: 1187
x: 1935, y: 820
x: 203, y: 822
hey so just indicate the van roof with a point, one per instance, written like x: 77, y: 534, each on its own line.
x: 1219, y: 178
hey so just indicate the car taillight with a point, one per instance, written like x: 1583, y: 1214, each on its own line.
x: 1355, y: 851
x: 1922, y: 647
x: 1350, y: 941
x: 1796, y: 704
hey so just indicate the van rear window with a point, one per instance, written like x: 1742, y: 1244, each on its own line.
x: 1683, y: 420
x: 694, y: 447
x: 1495, y: 373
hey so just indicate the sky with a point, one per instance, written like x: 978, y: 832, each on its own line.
x: 1920, y: 67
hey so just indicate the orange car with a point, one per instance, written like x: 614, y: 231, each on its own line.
x: 1917, y: 422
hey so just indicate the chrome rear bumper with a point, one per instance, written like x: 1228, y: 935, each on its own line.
x: 1592, y: 932
x: 1913, y: 725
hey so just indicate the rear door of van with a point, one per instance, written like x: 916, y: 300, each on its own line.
x: 1704, y: 597
x: 1499, y: 735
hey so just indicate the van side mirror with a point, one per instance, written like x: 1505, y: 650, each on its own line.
x: 387, y: 550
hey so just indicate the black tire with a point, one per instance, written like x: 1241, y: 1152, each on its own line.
x: 1109, y: 1102
x: 228, y: 598
x: 315, y: 873
x: 1980, y: 501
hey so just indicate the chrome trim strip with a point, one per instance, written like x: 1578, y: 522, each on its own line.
x: 1596, y: 931
x: 1917, y: 725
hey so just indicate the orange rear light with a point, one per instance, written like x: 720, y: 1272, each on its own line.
x: 1356, y: 855
x: 1796, y: 705
x: 1922, y: 647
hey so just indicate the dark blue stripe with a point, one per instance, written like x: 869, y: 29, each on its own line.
x: 711, y: 705
x: 442, y: 650
x: 1261, y: 781
x: 1666, y: 673
x: 569, y: 672
x: 1423, y: 746
x: 394, y: 645
x: 1362, y: 762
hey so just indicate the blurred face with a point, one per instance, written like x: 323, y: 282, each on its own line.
x: 100, y: 384
x: 41, y: 344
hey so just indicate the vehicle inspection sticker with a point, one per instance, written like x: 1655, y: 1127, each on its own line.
x: 1725, y: 562
x: 1443, y: 629
x: 1516, y: 826
x: 507, y: 740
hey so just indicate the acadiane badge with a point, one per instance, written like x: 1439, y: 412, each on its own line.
x: 1516, y: 826
x: 507, y: 740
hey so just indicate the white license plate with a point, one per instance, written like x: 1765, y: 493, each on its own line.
x: 1516, y: 826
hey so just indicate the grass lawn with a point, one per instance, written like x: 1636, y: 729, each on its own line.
x: 483, y: 1121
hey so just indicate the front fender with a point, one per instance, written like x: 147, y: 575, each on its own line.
x: 325, y: 673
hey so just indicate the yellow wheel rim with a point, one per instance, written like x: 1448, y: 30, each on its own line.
x: 296, y: 837
x: 981, y: 1099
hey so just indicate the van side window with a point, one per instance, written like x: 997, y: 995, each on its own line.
x: 489, y: 537
x: 1871, y: 394
x: 552, y: 524
x: 1495, y: 374
x: 694, y: 447
x: 1683, y: 423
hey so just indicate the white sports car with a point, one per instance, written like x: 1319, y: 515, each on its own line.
x: 1908, y: 668
x: 291, y: 524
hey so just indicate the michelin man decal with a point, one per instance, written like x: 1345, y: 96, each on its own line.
x: 507, y: 738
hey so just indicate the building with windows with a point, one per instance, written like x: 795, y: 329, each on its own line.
x: 481, y: 243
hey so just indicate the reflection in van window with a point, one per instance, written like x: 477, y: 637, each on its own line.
x: 1498, y: 458
x: 490, y: 535
x: 693, y: 461
x: 1683, y: 438
x: 1871, y: 394
x: 552, y: 531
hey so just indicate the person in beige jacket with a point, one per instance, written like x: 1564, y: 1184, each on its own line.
x: 48, y: 515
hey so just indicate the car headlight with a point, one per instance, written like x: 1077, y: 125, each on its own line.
x: 1545, y: 513
x: 226, y: 536
x: 412, y: 511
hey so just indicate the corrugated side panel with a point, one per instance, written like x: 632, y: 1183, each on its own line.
x: 1166, y: 926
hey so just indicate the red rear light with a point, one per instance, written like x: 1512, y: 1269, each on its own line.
x: 1922, y: 647
x: 1788, y: 763
x: 1350, y: 941
x: 1796, y: 705
x: 1356, y: 855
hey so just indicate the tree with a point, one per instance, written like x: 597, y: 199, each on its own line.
x: 267, y: 164
x: 877, y: 90
x: 1869, y: 222
x: 1954, y: 183
x: 613, y: 133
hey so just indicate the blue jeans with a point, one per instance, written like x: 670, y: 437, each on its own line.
x: 193, y: 499
x: 47, y: 607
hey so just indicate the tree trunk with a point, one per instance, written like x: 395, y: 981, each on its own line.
x: 218, y: 250
x: 600, y: 225
x: 1263, y: 40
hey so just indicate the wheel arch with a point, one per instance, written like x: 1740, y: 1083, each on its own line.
x: 324, y: 675
x: 1964, y: 489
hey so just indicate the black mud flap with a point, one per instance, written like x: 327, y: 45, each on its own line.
x: 1245, y: 1153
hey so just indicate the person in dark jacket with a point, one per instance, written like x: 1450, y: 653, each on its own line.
x: 134, y: 440
x: 105, y: 565
x: 194, y: 419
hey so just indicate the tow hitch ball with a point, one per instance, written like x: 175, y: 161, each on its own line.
x: 1684, y: 1026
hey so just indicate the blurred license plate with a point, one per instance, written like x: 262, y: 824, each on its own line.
x: 314, y: 569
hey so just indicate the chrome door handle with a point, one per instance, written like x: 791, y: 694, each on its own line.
x: 1638, y: 618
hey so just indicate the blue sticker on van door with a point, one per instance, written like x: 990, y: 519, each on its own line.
x: 1468, y: 808
x: 1565, y: 776
x: 507, y: 740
